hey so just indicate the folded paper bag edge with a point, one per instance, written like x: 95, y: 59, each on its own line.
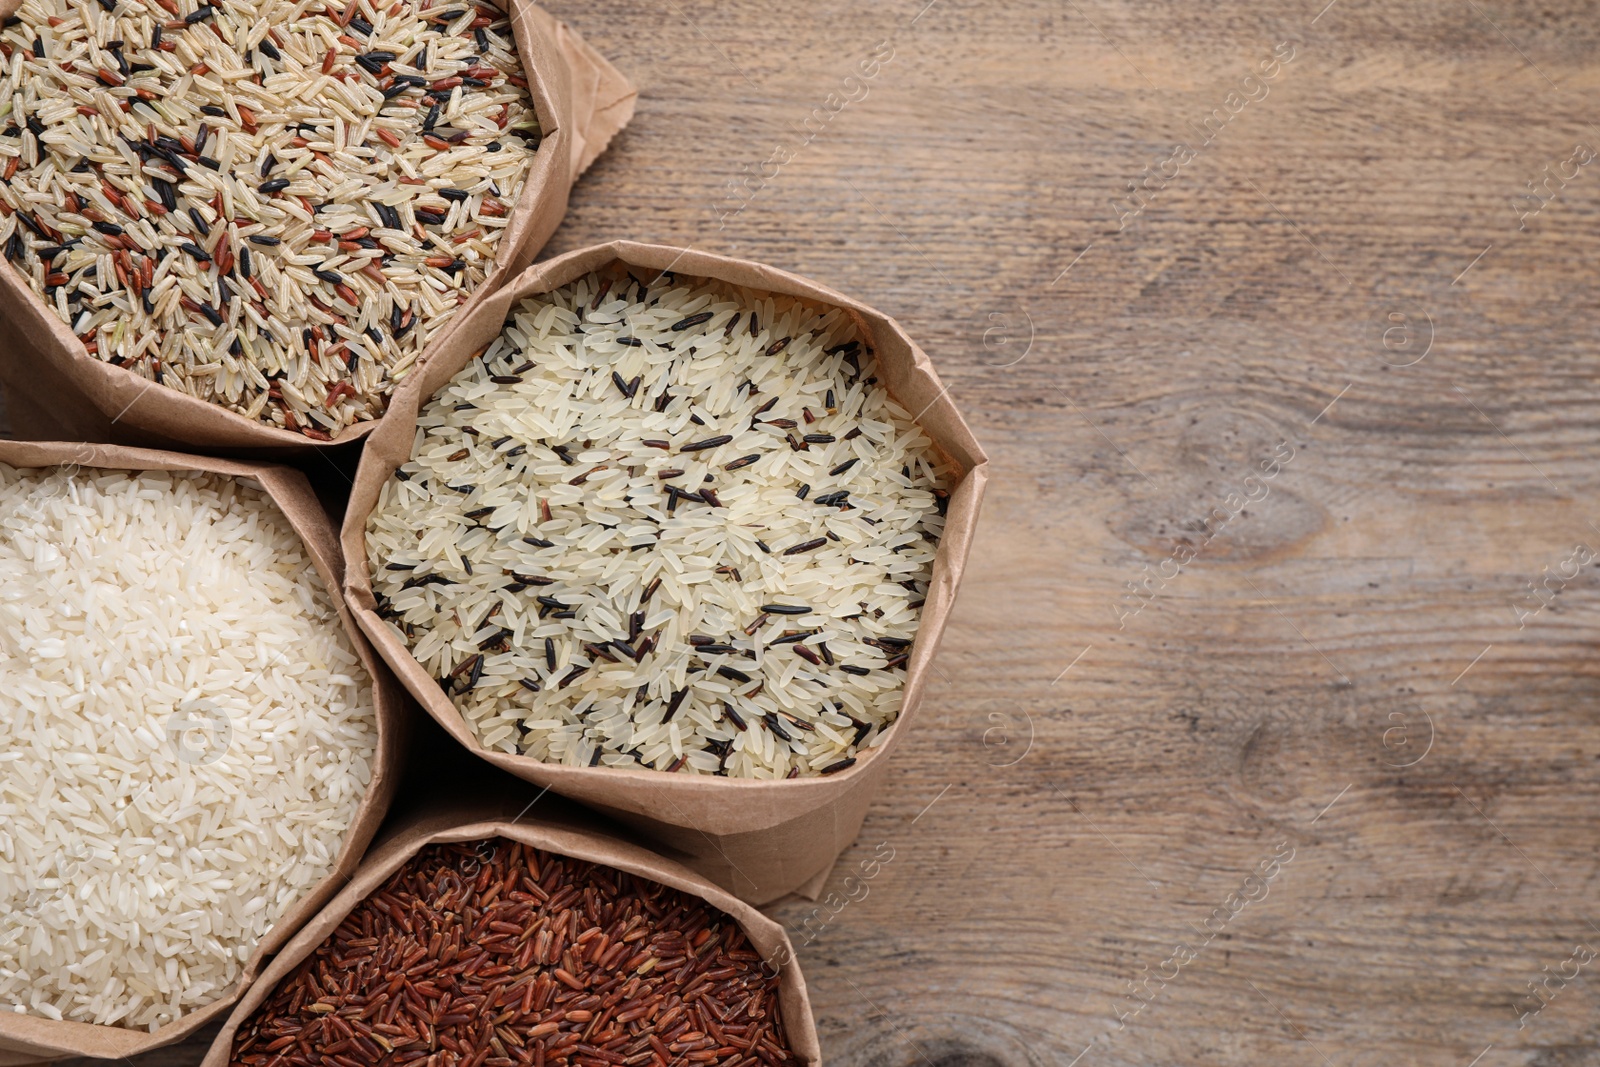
x: 602, y: 98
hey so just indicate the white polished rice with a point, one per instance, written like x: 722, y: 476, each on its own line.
x: 539, y: 556
x: 185, y: 735
x: 272, y: 206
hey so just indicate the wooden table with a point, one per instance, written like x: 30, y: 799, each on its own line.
x: 1347, y: 668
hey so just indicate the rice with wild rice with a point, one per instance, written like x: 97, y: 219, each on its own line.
x: 270, y: 206
x: 185, y: 736
x: 678, y: 526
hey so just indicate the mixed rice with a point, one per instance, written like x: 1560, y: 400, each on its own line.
x: 673, y: 525
x: 270, y: 206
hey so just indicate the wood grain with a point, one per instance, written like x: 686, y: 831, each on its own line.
x: 1056, y: 835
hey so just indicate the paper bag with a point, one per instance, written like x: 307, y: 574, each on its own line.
x: 758, y: 839
x: 567, y: 833
x: 34, y: 1038
x: 581, y: 102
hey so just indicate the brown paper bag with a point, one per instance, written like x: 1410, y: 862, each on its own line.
x: 567, y: 832
x: 581, y: 101
x: 33, y: 1038
x: 760, y: 840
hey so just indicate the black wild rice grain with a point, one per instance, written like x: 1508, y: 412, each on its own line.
x: 692, y: 320
x: 806, y: 546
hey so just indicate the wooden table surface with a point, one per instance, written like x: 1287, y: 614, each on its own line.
x: 1295, y: 770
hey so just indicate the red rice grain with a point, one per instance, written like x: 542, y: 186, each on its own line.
x: 496, y: 954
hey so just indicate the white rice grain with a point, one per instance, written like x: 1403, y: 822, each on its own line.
x: 185, y: 735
